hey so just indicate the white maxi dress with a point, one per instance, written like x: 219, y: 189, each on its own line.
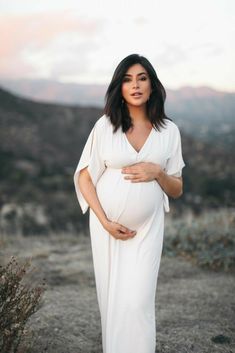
x: 126, y: 272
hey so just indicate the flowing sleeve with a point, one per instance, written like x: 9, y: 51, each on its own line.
x: 175, y: 162
x: 91, y: 158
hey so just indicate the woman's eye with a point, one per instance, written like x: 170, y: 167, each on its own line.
x: 128, y: 79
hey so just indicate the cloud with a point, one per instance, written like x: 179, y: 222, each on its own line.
x: 25, y: 37
x: 170, y: 55
x: 74, y: 62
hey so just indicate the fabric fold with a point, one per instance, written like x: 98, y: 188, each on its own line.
x: 175, y: 163
x: 90, y: 158
x: 166, y: 202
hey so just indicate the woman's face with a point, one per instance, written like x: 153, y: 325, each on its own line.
x: 136, y: 86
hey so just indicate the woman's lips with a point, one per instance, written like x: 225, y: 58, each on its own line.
x: 137, y: 94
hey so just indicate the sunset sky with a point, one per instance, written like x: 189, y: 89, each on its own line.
x: 189, y: 42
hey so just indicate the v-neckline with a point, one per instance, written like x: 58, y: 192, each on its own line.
x: 147, y: 139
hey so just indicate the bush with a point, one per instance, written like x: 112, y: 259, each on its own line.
x: 207, y: 240
x: 17, y: 303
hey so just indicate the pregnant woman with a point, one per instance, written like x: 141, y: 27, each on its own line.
x: 132, y: 161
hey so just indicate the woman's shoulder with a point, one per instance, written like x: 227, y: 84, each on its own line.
x: 170, y: 126
x: 103, y: 122
x: 103, y: 126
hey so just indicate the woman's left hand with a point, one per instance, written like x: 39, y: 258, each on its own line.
x: 142, y: 171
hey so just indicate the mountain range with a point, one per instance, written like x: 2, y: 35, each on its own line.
x: 203, y: 112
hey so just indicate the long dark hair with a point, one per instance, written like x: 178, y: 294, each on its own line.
x: 117, y: 110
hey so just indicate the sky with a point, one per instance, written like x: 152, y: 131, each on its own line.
x: 189, y: 42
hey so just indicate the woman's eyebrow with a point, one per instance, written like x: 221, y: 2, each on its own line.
x: 141, y: 73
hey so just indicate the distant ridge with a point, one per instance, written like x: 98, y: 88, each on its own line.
x: 49, y: 91
x: 89, y: 94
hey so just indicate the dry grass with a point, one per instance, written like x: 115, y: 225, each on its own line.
x: 194, y: 306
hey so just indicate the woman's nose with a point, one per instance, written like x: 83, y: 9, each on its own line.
x: 135, y: 84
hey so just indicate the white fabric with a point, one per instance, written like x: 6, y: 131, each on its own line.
x: 126, y: 272
x: 90, y: 157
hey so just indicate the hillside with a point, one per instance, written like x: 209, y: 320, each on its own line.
x: 40, y: 147
x: 204, y: 112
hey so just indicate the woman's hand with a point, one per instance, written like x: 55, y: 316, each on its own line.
x: 118, y: 231
x: 143, y: 171
x: 148, y: 171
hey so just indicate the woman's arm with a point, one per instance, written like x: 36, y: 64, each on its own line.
x: 89, y: 193
x: 172, y: 185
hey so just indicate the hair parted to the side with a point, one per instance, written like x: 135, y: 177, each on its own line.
x: 117, y: 110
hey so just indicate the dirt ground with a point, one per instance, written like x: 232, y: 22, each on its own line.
x: 192, y: 305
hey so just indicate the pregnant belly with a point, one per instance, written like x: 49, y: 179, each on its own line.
x: 129, y: 204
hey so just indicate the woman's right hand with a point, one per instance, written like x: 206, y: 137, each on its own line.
x: 118, y: 231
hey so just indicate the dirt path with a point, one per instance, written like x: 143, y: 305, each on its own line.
x: 192, y: 305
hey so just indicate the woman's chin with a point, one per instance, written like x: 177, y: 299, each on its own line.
x: 137, y: 103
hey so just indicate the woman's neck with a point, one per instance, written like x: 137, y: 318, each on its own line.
x: 138, y: 114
